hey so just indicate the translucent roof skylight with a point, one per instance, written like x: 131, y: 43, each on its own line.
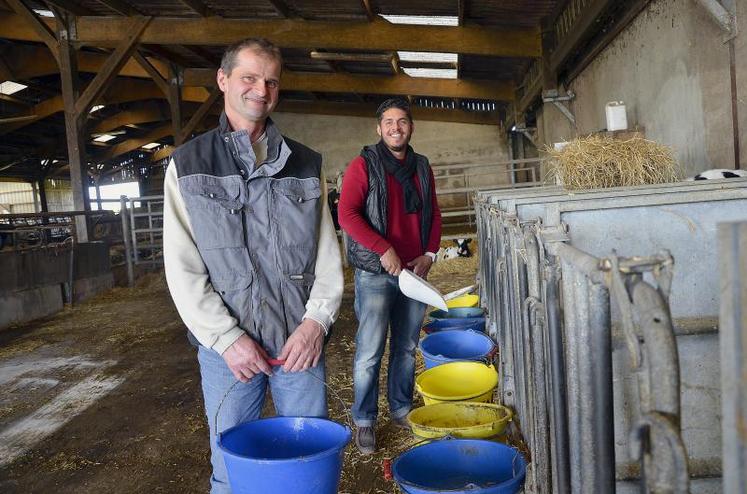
x: 10, y: 87
x: 95, y: 108
x: 424, y: 56
x: 151, y: 145
x: 423, y: 20
x: 435, y: 73
x: 104, y: 138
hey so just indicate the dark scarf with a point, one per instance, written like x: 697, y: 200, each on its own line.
x: 404, y: 173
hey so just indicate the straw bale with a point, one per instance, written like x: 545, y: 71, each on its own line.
x: 601, y: 161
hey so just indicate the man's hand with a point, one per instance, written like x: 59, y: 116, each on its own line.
x: 246, y: 358
x: 304, y: 347
x: 421, y: 265
x: 391, y: 262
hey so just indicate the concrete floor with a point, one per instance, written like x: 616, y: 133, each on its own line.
x: 104, y: 397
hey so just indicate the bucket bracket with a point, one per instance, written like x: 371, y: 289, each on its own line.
x: 553, y: 96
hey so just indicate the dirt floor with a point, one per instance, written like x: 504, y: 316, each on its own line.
x: 105, y: 397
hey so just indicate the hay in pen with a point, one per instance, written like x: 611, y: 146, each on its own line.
x: 600, y: 161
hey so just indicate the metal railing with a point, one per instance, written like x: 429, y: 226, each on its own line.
x: 733, y: 343
x: 549, y: 307
x: 142, y: 232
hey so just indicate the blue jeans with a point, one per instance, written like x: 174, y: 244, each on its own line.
x: 379, y: 306
x: 293, y: 394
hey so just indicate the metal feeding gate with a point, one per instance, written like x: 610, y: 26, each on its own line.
x: 605, y: 306
x: 142, y: 232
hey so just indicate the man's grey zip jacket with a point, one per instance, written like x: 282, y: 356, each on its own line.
x: 249, y: 248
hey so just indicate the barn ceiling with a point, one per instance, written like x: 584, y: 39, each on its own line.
x: 483, y: 62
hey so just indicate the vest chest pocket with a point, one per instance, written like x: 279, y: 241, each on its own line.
x: 215, y: 212
x: 296, y: 211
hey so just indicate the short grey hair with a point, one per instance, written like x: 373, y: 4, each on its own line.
x: 259, y: 45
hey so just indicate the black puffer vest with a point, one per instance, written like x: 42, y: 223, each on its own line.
x: 377, y: 205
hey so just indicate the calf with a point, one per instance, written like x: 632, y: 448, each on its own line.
x: 717, y: 173
x: 463, y: 247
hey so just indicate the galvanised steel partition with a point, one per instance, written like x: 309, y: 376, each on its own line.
x: 591, y: 356
x: 142, y: 232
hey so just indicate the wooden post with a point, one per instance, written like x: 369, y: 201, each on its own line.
x: 43, y: 194
x: 175, y: 102
x: 74, y: 126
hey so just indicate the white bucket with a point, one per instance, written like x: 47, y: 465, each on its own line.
x: 617, y: 119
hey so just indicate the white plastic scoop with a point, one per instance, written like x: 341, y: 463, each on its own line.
x: 418, y: 289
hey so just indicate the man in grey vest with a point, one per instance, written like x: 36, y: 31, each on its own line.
x: 388, y: 209
x: 251, y: 256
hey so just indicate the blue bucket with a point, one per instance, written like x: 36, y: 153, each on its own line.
x: 279, y: 455
x: 468, y: 466
x: 436, y: 325
x: 448, y: 346
x: 458, y: 313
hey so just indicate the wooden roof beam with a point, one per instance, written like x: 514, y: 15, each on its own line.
x: 120, y: 7
x: 198, y: 7
x: 369, y: 10
x: 376, y: 36
x: 113, y: 64
x: 398, y: 84
x: 154, y: 74
x: 281, y: 8
x: 40, y: 28
x: 145, y: 114
x: 70, y: 6
x: 28, y: 62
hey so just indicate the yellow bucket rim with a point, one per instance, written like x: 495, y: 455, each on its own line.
x: 469, y: 300
x: 417, y: 417
x: 452, y: 369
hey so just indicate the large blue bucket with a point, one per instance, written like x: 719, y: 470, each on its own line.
x: 448, y: 346
x: 280, y: 455
x: 473, y: 323
x: 468, y: 466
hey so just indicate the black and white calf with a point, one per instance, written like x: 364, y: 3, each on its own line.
x: 463, y: 247
x: 717, y: 173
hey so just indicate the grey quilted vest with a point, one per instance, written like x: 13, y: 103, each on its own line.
x: 256, y: 227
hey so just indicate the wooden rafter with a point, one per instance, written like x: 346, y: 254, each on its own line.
x: 375, y: 36
x: 369, y: 10
x: 461, y: 9
x: 198, y: 7
x: 168, y: 55
x: 583, y: 23
x: 40, y: 28
x: 112, y: 65
x: 203, y: 54
x: 120, y: 7
x: 145, y: 114
x: 70, y: 6
x: 281, y: 8
x: 199, y: 115
x: 351, y: 57
x: 153, y: 72
x: 28, y: 62
x: 399, y: 84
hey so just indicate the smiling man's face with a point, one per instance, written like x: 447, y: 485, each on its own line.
x: 252, y: 88
x: 395, y: 129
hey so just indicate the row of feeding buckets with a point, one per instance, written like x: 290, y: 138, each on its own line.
x: 304, y: 455
x: 459, y: 416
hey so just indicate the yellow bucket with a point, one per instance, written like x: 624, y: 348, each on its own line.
x: 457, y: 381
x: 459, y: 419
x: 468, y: 300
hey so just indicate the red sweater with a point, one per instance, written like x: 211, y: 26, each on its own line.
x: 403, y: 229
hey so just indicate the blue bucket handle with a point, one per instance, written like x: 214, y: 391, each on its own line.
x: 329, y: 388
